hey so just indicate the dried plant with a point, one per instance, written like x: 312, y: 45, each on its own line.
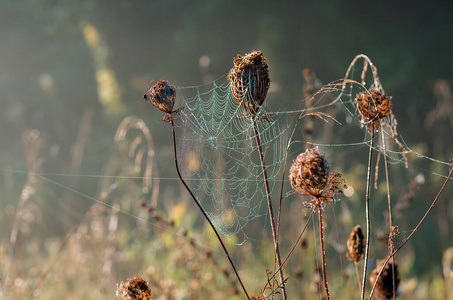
x: 135, y: 288
x: 372, y: 106
x: 162, y: 95
x: 249, y: 80
x: 249, y: 83
x: 356, y: 244
x: 309, y: 175
x: 389, y: 280
x: 356, y: 248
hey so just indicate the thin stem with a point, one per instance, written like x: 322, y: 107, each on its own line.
x: 389, y: 206
x: 323, y: 252
x: 202, y: 210
x: 367, y: 213
x: 358, y: 275
x: 271, y: 213
x: 413, y: 232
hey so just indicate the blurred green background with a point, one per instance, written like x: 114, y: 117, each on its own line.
x: 71, y: 71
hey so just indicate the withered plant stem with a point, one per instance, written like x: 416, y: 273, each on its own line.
x: 367, y: 212
x: 389, y: 205
x: 202, y: 210
x: 271, y: 212
x: 323, y: 252
x: 415, y: 229
x: 358, y: 275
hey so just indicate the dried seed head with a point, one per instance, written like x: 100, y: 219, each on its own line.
x: 356, y: 244
x: 373, y: 106
x: 135, y: 288
x: 309, y: 173
x: 384, y: 285
x: 249, y: 80
x: 162, y: 95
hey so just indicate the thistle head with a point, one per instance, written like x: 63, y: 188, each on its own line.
x: 162, y: 95
x: 384, y: 285
x: 356, y: 244
x: 134, y: 288
x: 249, y: 80
x: 372, y: 106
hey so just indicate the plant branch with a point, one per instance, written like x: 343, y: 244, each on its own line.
x: 202, y: 210
x: 367, y: 213
x: 323, y: 252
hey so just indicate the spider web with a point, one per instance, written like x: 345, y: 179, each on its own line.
x: 219, y: 156
x: 220, y: 159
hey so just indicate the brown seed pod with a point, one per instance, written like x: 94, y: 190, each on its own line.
x: 134, y: 288
x: 384, y: 285
x: 356, y: 244
x: 373, y: 106
x: 162, y: 95
x: 309, y: 172
x: 249, y: 80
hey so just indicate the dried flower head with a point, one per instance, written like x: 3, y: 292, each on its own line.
x: 309, y: 175
x: 134, y: 288
x: 162, y: 95
x: 356, y: 244
x: 373, y: 106
x: 384, y: 286
x: 309, y: 172
x: 249, y: 80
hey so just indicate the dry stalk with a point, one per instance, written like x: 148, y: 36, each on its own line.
x: 367, y: 213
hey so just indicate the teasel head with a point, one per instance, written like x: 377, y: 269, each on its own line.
x: 356, y: 244
x: 249, y: 81
x: 134, y: 288
x: 372, y: 106
x: 309, y: 175
x: 384, y: 286
x: 162, y: 95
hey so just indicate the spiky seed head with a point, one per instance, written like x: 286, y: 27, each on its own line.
x: 384, y: 286
x: 135, y: 288
x: 162, y: 95
x: 373, y: 106
x: 356, y: 244
x: 309, y: 172
x: 249, y: 80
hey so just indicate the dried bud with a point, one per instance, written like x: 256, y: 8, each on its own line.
x: 356, y: 244
x: 162, y: 95
x: 373, y: 106
x: 135, y: 288
x: 384, y: 286
x: 249, y: 80
x: 309, y: 173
